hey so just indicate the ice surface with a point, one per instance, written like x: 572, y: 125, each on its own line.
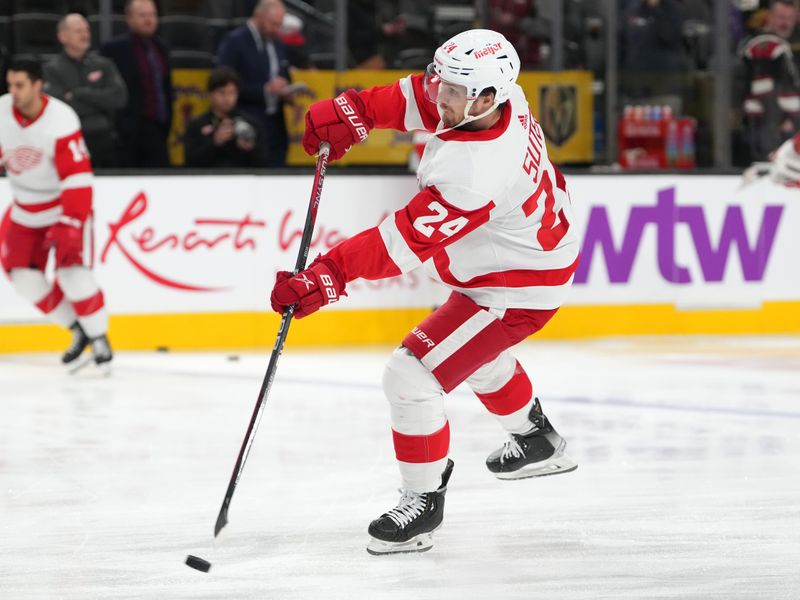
x: 688, y: 484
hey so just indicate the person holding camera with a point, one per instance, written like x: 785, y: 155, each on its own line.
x: 223, y: 137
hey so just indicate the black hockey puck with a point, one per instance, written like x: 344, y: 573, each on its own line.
x: 198, y: 563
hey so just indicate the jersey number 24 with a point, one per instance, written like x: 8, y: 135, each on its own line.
x: 423, y: 223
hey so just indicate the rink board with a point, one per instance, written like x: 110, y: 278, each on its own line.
x: 187, y: 262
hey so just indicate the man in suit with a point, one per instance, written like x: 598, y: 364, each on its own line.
x: 143, y: 62
x: 261, y: 60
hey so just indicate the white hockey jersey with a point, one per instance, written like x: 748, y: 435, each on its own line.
x: 46, y: 162
x: 493, y: 219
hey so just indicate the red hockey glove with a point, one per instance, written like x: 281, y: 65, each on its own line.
x: 67, y: 237
x: 320, y: 284
x: 340, y: 121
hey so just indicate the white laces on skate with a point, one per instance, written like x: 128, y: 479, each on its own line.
x: 409, y: 507
x: 511, y: 449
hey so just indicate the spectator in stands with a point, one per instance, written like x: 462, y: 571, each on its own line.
x: 379, y: 34
x: 364, y: 35
x: 519, y: 21
x: 291, y: 34
x: 90, y: 84
x: 781, y: 18
x: 143, y: 60
x: 260, y: 58
x: 654, y: 60
x: 224, y: 137
x: 768, y: 84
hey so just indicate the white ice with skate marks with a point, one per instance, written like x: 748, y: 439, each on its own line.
x: 688, y: 482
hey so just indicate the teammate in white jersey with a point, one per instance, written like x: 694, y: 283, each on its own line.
x: 785, y: 166
x: 50, y: 171
x: 492, y: 221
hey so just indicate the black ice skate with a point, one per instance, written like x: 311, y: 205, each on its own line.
x: 101, y: 356
x: 538, y: 452
x: 80, y: 341
x: 101, y: 350
x: 410, y: 525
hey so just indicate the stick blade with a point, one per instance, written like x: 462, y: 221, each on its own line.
x: 222, y: 520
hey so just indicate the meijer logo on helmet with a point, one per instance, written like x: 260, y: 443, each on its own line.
x: 491, y: 49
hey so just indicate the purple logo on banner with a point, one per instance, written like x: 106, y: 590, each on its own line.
x: 665, y: 215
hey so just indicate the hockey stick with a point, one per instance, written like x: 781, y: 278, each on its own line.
x: 302, y: 256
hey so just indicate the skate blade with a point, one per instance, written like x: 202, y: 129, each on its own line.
x: 552, y: 466
x: 421, y: 543
x: 79, y: 364
x: 102, y: 370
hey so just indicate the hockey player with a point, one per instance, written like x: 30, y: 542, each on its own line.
x: 48, y: 166
x: 785, y: 166
x: 492, y: 221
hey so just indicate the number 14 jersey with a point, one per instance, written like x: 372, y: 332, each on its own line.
x: 493, y: 218
x: 46, y: 162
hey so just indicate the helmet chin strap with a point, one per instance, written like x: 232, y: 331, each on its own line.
x: 468, y: 118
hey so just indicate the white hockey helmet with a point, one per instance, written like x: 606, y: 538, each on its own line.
x: 477, y: 59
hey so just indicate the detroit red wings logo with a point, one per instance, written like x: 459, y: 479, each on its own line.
x: 23, y: 158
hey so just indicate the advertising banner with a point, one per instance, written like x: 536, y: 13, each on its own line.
x: 382, y: 147
x: 562, y: 102
x: 213, y: 244
x: 693, y: 242
x: 167, y: 245
x: 191, y: 100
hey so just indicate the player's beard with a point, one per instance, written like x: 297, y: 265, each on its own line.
x: 449, y: 117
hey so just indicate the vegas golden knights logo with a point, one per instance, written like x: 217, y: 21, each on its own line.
x: 558, y: 112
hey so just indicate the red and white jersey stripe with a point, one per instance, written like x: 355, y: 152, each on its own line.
x: 493, y: 218
x: 46, y: 162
